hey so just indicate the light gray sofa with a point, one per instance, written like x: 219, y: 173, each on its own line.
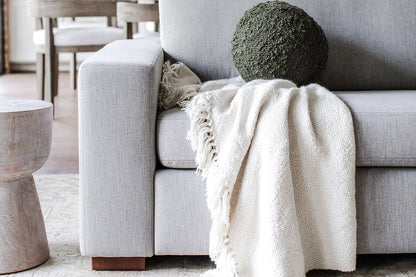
x: 139, y: 194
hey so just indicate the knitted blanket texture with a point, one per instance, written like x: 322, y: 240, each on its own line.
x: 279, y: 164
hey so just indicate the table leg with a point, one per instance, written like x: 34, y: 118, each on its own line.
x: 23, y: 241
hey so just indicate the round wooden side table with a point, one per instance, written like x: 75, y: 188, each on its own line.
x: 25, y: 142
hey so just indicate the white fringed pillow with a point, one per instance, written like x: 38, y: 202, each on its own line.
x: 179, y: 84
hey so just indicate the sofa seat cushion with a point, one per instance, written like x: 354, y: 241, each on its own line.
x: 385, y: 212
x: 384, y: 123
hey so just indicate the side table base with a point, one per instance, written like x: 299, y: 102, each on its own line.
x: 23, y: 241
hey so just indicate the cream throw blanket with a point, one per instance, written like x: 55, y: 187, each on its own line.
x: 279, y: 163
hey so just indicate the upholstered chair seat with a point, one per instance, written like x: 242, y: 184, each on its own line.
x: 87, y: 34
x: 149, y: 35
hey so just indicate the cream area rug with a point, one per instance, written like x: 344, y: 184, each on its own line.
x: 59, y: 200
x: 58, y: 196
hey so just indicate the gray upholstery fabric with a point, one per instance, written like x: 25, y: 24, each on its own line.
x: 118, y: 89
x: 173, y: 150
x: 385, y: 212
x: 385, y: 127
x: 371, y: 42
x: 384, y: 123
x: 176, y: 232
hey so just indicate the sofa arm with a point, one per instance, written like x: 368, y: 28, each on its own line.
x: 118, y: 91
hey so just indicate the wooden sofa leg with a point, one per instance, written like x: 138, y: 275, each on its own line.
x: 118, y: 263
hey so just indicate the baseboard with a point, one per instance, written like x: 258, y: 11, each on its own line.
x: 22, y: 67
x: 31, y: 67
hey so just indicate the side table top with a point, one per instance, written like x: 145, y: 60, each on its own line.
x: 22, y: 105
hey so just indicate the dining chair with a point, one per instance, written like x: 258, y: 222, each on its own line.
x: 72, y: 23
x: 50, y: 39
x: 130, y: 14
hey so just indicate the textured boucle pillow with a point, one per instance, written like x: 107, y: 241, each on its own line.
x: 276, y: 40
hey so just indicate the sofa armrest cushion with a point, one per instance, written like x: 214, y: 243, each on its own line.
x: 118, y: 91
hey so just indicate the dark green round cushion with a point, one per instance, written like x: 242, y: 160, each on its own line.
x: 275, y: 40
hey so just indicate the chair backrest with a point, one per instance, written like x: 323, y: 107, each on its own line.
x: 129, y: 13
x: 71, y: 8
x: 372, y: 43
x: 53, y: 9
x: 135, y: 12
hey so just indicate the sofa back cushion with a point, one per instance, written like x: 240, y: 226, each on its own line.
x: 372, y: 43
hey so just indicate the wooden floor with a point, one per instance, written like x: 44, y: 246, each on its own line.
x: 64, y: 153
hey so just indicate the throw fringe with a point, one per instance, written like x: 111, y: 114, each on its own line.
x: 203, y: 141
x: 201, y: 134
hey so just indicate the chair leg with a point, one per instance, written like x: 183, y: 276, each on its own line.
x: 135, y: 27
x: 51, y: 62
x: 55, y: 92
x: 50, y: 78
x: 118, y: 263
x: 40, y: 75
x: 73, y: 70
x: 128, y: 30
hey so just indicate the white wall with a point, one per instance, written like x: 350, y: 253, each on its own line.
x: 21, y: 28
